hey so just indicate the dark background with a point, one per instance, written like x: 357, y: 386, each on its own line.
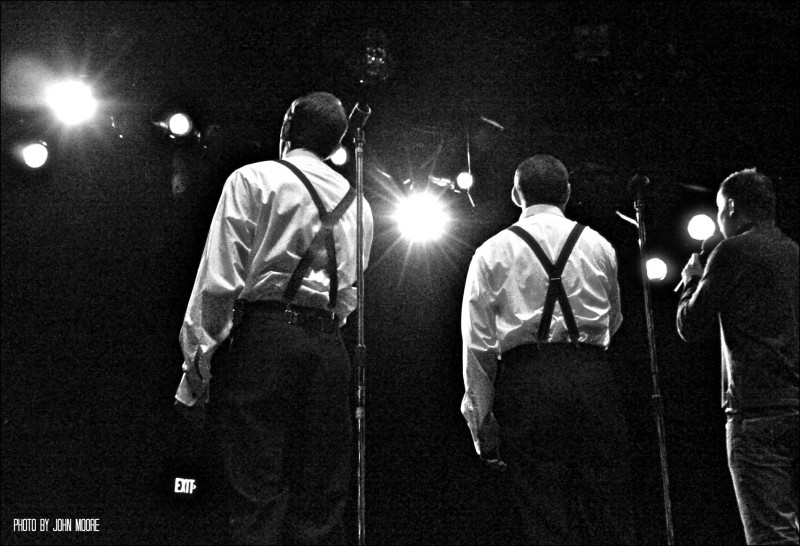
x: 100, y: 247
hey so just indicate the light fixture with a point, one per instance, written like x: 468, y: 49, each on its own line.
x: 71, y: 101
x: 701, y: 227
x: 464, y: 181
x: 179, y: 125
x: 34, y: 154
x: 340, y: 156
x: 656, y: 269
x: 421, y: 217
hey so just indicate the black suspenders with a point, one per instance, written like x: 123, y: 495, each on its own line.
x: 329, y: 219
x: 555, y: 288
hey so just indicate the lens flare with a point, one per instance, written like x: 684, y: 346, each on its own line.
x: 656, y: 269
x: 465, y: 181
x: 180, y: 125
x: 421, y: 217
x: 339, y: 157
x: 35, y: 155
x: 71, y: 101
x: 701, y: 227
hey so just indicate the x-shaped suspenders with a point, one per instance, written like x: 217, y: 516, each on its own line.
x: 329, y: 219
x: 555, y: 288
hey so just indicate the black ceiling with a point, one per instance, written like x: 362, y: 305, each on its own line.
x: 685, y: 92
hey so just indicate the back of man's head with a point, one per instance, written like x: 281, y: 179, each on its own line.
x: 318, y: 123
x: 752, y: 193
x: 543, y: 179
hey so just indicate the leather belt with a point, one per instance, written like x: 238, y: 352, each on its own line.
x: 532, y: 349
x: 306, y: 317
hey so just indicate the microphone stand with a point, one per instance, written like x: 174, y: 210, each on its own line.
x: 360, y: 347
x: 658, y: 403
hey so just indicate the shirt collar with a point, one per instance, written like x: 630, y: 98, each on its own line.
x: 541, y: 209
x: 302, y: 152
x: 744, y: 228
x: 752, y: 226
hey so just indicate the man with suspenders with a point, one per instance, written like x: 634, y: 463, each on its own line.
x: 540, y: 306
x: 275, y: 283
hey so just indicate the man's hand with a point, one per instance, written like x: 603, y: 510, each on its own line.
x: 496, y: 465
x: 693, y: 268
x: 493, y: 461
x: 198, y: 385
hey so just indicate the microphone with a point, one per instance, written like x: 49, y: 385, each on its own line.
x: 638, y: 182
x: 358, y: 116
x: 705, y: 250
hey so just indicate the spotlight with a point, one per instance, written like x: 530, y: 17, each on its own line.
x: 701, y: 227
x: 464, y: 181
x: 442, y: 181
x: 656, y: 269
x: 35, y: 154
x: 421, y: 217
x: 339, y: 157
x: 179, y: 125
x: 71, y: 101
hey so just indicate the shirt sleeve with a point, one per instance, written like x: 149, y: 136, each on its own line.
x: 699, y: 303
x: 479, y: 359
x: 614, y: 300
x: 220, y: 279
x: 369, y: 226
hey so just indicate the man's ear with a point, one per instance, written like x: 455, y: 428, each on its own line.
x: 515, y: 196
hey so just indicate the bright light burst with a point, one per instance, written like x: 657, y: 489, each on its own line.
x: 72, y: 101
x: 656, y: 269
x: 180, y: 124
x: 35, y: 155
x: 339, y: 157
x: 465, y: 181
x: 701, y: 227
x: 421, y: 217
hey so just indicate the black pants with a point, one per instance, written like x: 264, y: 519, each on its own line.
x: 565, y: 441
x: 284, y: 424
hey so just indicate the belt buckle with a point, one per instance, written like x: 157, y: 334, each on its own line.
x: 291, y: 316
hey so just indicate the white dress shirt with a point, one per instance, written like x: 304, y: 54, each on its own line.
x: 504, y: 299
x: 263, y: 224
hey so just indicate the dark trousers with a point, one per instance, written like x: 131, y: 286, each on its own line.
x: 565, y: 441
x: 763, y: 461
x: 284, y: 424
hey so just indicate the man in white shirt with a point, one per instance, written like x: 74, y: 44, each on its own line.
x: 540, y: 306
x: 275, y: 283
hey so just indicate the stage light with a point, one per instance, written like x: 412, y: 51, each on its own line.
x: 421, y: 217
x: 701, y: 227
x: 179, y: 125
x: 339, y: 157
x: 35, y: 155
x: 656, y: 269
x: 71, y: 101
x: 464, y: 181
x: 441, y: 181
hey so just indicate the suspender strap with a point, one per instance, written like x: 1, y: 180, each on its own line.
x: 325, y: 234
x: 555, y: 287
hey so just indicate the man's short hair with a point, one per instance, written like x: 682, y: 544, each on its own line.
x: 318, y: 123
x: 752, y: 192
x: 543, y: 179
